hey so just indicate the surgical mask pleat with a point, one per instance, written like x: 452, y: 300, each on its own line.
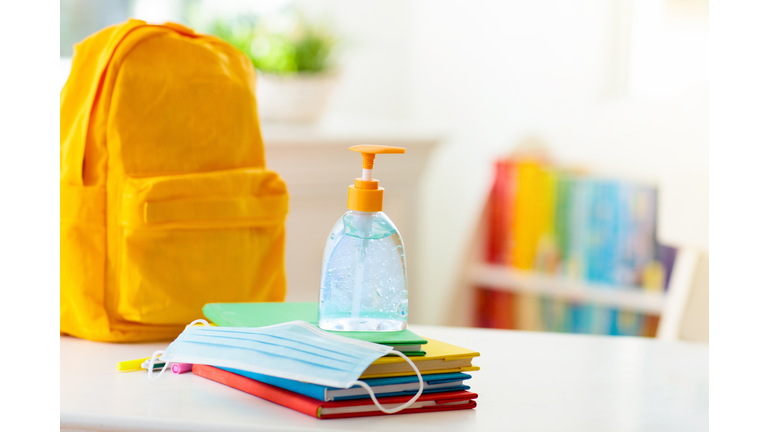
x: 339, y: 362
x: 239, y: 354
x: 294, y: 339
x: 276, y: 341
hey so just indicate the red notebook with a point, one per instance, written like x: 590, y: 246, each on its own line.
x: 444, y: 401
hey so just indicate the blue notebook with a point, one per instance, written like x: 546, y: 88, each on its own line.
x: 393, y: 386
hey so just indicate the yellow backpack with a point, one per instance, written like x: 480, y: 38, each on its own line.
x: 165, y: 201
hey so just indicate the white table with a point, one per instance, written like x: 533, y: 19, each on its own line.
x: 527, y: 382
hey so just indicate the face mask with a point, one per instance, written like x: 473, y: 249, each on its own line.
x: 294, y: 350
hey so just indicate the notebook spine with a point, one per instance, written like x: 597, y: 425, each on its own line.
x: 268, y: 392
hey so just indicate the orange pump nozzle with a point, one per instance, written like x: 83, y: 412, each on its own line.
x: 366, y: 195
x: 369, y: 152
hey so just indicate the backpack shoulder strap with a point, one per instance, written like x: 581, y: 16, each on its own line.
x: 77, y: 97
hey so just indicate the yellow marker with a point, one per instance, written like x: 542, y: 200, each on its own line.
x: 131, y: 365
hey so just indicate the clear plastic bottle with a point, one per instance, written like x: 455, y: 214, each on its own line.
x: 364, y: 283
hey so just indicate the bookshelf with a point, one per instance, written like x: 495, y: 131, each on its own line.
x: 614, y: 289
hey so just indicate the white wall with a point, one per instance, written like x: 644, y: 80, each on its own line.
x: 375, y: 37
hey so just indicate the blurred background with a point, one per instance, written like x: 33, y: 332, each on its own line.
x: 556, y: 173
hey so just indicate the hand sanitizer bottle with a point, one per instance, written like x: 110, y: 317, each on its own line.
x: 364, y: 286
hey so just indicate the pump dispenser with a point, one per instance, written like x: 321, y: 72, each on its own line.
x: 363, y: 285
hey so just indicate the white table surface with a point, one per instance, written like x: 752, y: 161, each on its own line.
x: 527, y: 382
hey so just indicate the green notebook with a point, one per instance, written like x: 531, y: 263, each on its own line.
x: 269, y: 313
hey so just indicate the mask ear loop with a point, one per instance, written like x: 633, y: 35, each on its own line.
x: 151, y: 367
x: 198, y: 321
x: 365, y: 385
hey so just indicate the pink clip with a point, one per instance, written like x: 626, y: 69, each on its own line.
x: 180, y: 368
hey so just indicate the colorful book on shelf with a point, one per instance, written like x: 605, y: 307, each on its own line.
x: 430, y: 402
x: 527, y: 214
x: 667, y: 257
x: 498, y: 213
x: 440, y: 357
x: 269, y: 313
x: 382, y: 387
x: 562, y: 216
x: 574, y: 267
x: 628, y: 323
x: 528, y: 312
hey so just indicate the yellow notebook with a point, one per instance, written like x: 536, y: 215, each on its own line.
x: 441, y: 357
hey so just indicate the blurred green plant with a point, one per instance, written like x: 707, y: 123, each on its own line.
x: 296, y: 46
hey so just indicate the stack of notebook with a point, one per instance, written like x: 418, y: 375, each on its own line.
x: 394, y: 382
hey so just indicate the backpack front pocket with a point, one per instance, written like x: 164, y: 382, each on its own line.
x: 193, y: 239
